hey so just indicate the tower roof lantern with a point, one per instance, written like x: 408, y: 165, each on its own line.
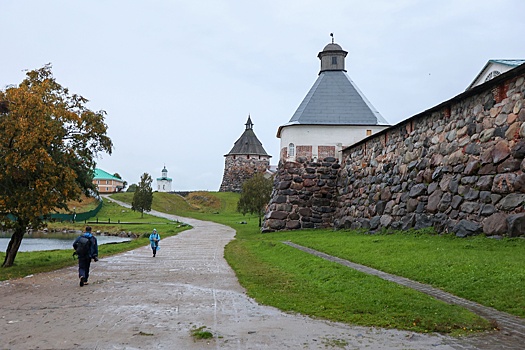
x: 249, y: 124
x: 332, y: 57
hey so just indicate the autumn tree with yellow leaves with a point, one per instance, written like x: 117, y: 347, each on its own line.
x: 49, y: 141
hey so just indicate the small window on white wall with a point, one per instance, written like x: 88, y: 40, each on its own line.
x: 291, y: 150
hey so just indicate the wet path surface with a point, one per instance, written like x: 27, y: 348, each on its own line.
x: 135, y: 301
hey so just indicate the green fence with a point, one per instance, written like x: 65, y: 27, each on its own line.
x: 77, y: 216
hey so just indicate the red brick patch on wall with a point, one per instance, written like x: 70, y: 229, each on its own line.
x: 304, y: 151
x: 326, y: 151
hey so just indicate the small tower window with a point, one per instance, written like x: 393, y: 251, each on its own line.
x: 334, y: 60
x: 291, y: 150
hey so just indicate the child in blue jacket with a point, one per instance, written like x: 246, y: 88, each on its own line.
x: 154, y: 239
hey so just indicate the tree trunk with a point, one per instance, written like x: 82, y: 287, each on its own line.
x: 14, y: 245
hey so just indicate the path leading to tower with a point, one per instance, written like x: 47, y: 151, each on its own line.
x: 135, y: 301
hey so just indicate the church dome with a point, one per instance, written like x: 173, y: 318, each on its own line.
x: 333, y: 47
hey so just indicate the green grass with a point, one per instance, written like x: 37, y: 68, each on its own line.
x: 212, y: 206
x: 294, y: 281
x: 279, y: 275
x: 27, y: 263
x: 120, y: 219
x: 480, y: 269
x: 484, y: 270
x: 201, y: 333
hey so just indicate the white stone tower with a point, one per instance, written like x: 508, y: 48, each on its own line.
x: 333, y: 115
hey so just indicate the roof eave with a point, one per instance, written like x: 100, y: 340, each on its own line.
x: 279, y: 130
x: 248, y: 154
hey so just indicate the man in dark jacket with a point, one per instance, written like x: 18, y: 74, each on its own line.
x: 86, y: 248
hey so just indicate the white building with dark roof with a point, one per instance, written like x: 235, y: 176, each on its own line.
x: 333, y: 115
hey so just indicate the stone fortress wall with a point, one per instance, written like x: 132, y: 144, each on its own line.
x: 239, y: 168
x: 304, y: 195
x: 459, y: 167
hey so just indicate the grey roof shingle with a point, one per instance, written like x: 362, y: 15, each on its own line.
x: 334, y: 99
x: 248, y: 143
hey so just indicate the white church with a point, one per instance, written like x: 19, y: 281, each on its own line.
x: 333, y: 115
x: 164, y: 182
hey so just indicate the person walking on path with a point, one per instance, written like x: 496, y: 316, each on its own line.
x: 154, y: 239
x: 86, y: 248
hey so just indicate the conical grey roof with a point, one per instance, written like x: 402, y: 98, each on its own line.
x: 334, y: 99
x: 248, y: 143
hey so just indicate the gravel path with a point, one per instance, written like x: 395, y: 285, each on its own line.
x: 135, y: 301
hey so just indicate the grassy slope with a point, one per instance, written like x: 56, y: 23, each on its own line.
x: 213, y: 206
x: 85, y: 204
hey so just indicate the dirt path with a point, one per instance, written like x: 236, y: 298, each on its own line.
x: 135, y: 301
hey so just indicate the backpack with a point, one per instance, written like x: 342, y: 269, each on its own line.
x: 83, y: 245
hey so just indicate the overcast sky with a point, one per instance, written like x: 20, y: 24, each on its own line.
x: 178, y: 79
